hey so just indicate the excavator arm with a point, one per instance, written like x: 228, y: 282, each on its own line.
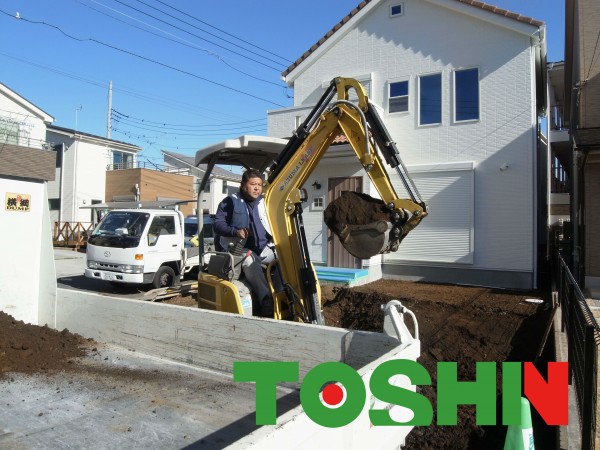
x: 284, y: 195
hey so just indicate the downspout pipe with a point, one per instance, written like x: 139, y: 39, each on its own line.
x: 575, y: 210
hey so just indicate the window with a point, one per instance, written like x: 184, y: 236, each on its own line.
x: 466, y: 95
x: 122, y: 160
x: 396, y: 10
x: 161, y: 225
x: 398, y: 97
x: 430, y: 99
x: 224, y: 190
x: 318, y: 203
x: 54, y: 204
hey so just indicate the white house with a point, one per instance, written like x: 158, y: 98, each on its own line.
x: 81, y: 165
x: 222, y: 182
x: 21, y: 122
x: 461, y: 86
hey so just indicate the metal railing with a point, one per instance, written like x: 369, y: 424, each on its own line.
x: 147, y: 165
x: 583, y: 335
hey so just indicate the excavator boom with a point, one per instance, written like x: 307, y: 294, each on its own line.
x: 284, y: 195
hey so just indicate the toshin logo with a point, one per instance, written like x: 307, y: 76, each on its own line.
x: 333, y: 394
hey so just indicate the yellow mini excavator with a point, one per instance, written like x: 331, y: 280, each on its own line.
x: 288, y: 167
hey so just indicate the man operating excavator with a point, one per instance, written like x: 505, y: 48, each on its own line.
x: 242, y: 225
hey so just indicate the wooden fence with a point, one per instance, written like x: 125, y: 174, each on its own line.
x: 71, y: 234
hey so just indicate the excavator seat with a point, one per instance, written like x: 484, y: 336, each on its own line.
x: 218, y: 287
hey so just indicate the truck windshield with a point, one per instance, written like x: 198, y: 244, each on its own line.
x: 120, y: 229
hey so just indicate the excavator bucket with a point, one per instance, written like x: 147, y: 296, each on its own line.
x: 363, y: 224
x: 364, y: 241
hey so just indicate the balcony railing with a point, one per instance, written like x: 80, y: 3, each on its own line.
x: 147, y: 165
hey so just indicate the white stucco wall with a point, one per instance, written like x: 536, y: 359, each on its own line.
x: 427, y: 39
x: 26, y: 237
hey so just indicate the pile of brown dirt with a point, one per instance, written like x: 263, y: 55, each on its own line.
x: 354, y: 208
x: 33, y: 349
x: 456, y: 323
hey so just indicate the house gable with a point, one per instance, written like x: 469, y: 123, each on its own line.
x: 25, y: 104
x: 480, y: 10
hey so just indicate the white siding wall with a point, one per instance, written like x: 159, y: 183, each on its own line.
x: 92, y: 160
x: 432, y: 39
x: 84, y: 179
x: 32, y: 129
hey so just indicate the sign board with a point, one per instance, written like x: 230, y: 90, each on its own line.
x: 17, y: 202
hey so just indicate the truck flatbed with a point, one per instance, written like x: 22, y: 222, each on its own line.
x: 119, y: 398
x: 162, y: 378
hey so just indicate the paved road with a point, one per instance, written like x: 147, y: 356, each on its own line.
x: 70, y: 266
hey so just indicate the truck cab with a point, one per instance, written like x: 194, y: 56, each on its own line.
x: 140, y: 246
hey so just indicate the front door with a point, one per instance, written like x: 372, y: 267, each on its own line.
x: 337, y: 256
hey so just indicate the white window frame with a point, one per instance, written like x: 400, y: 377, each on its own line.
x: 389, y: 95
x: 463, y: 69
x: 441, y: 74
x: 317, y: 199
x: 401, y: 13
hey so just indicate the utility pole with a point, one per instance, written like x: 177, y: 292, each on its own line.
x: 109, y: 114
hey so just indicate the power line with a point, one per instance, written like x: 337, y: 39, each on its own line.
x: 180, y: 132
x: 151, y: 98
x: 212, y: 34
x: 165, y: 124
x: 201, y: 38
x: 145, y: 59
x: 224, y: 32
x: 177, y: 40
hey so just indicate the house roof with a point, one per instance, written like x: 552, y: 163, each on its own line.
x: 363, y: 4
x: 25, y: 103
x: 69, y: 131
x: 189, y: 161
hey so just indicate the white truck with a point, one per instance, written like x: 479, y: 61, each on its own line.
x: 140, y: 246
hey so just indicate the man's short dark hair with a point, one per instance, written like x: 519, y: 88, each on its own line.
x: 251, y: 173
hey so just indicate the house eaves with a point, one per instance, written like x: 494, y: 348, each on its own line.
x: 16, y: 98
x: 481, y: 10
x: 79, y: 135
x: 187, y: 162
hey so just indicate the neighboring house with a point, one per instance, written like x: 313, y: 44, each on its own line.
x: 582, y: 118
x: 461, y: 86
x: 222, y: 182
x: 82, y: 163
x: 21, y: 122
x: 560, y: 148
x: 148, y: 186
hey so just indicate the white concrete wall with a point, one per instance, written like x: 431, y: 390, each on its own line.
x: 28, y: 272
x: 429, y: 39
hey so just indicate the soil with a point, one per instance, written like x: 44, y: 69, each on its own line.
x: 456, y: 323
x: 29, y: 348
x: 354, y: 208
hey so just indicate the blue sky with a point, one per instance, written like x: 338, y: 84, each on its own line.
x: 185, y: 73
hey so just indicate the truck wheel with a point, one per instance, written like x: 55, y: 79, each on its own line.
x: 164, y: 277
